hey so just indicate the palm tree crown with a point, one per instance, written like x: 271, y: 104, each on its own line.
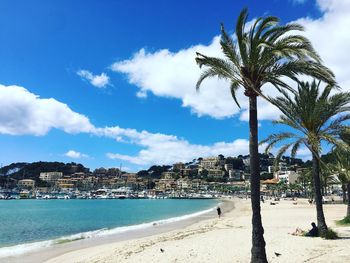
x: 315, y: 116
x: 262, y: 55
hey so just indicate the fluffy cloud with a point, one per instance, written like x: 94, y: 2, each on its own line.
x: 23, y: 112
x: 330, y: 37
x: 75, y: 155
x: 174, y: 74
x: 169, y: 74
x: 166, y: 149
x: 99, y: 81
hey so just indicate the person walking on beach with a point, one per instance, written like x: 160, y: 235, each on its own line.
x: 219, y: 211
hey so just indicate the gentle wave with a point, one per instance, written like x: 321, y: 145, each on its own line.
x: 31, y: 247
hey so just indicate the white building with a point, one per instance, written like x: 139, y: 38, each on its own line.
x: 26, y: 183
x: 51, y: 177
x: 183, y: 183
x: 282, y: 167
x: 290, y: 177
x: 216, y: 173
x: 211, y: 163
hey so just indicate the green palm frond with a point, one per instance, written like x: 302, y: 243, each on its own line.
x: 265, y: 53
x: 315, y: 115
x: 281, y: 152
x: 234, y: 87
x: 296, y: 147
x: 216, y: 67
x: 273, y: 139
x: 338, y: 143
x: 241, y: 35
x: 229, y: 48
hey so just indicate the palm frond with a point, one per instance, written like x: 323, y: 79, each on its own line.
x: 273, y: 139
x: 234, y: 87
x: 281, y: 152
x: 296, y: 147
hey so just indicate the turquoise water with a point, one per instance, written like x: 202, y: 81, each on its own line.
x: 24, y: 221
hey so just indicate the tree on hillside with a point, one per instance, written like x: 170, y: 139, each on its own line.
x: 236, y: 163
x: 142, y: 173
x: 314, y: 117
x: 33, y: 170
x: 221, y: 157
x: 263, y: 54
x: 155, y: 171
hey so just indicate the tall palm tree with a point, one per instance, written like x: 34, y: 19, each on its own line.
x: 264, y: 54
x: 315, y: 117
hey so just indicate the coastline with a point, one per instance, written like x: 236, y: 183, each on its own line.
x: 119, y: 234
x: 228, y: 239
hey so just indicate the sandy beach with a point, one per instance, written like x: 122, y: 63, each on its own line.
x: 228, y: 239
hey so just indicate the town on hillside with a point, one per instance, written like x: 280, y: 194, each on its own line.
x: 201, y: 178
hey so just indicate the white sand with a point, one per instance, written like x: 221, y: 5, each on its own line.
x: 229, y: 239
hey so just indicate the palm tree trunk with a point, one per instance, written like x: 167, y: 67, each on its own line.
x: 343, y: 187
x: 258, y: 248
x: 348, y: 211
x: 321, y: 222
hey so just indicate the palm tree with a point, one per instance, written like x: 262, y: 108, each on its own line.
x: 342, y: 167
x: 327, y: 177
x: 264, y: 54
x: 315, y: 117
x: 305, y: 179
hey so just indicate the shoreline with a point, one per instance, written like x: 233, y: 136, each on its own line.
x: 116, y: 235
x: 228, y: 239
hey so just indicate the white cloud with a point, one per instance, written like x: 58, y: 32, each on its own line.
x: 22, y: 112
x: 75, y: 155
x: 99, y: 81
x: 174, y: 74
x: 167, y: 149
x: 330, y: 36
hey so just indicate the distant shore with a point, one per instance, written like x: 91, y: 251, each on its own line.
x: 228, y: 239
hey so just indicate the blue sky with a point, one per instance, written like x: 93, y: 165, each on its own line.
x: 110, y: 82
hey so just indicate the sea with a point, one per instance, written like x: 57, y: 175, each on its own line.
x: 28, y: 225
